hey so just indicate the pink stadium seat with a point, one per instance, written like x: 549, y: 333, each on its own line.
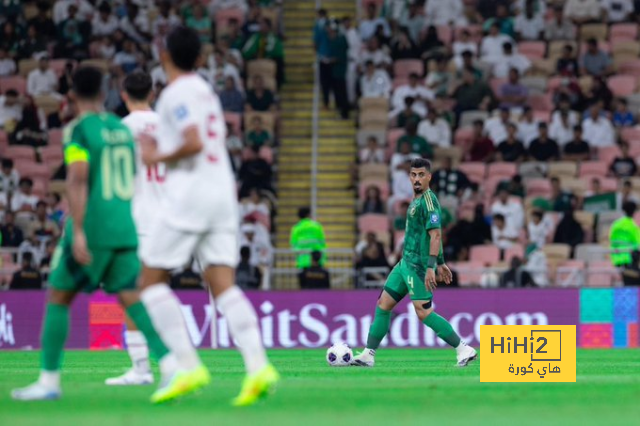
x: 486, y: 253
x: 593, y: 169
x: 629, y: 134
x: 373, y: 223
x: 538, y: 187
x: 490, y: 185
x: 404, y: 67
x: 266, y: 153
x: 569, y: 274
x: 235, y: 119
x: 600, y: 274
x: 392, y: 138
x: 622, y: 85
x: 631, y: 67
x: 542, y: 116
x: 553, y: 83
x: 502, y: 170
x: 532, y: 49
x: 445, y: 34
x: 398, y: 237
x: 382, y: 184
x: 4, y: 140
x: 609, y: 184
x: 55, y: 137
x: 474, y: 171
x: 19, y: 152
x: 34, y: 170
x: 602, y: 45
x: 514, y: 251
x: 16, y: 82
x: 541, y: 102
x: 608, y: 154
x: 463, y: 136
x: 399, y: 81
x: 51, y: 152
x: 58, y: 65
x: 469, y: 273
x: 223, y: 16
x: 496, y: 84
x: 620, y: 32
x: 396, y: 205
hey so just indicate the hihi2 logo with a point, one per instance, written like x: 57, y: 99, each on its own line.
x: 528, y: 353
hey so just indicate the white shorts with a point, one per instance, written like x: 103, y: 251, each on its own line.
x: 166, y: 247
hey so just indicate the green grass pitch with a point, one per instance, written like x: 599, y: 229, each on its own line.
x: 407, y: 386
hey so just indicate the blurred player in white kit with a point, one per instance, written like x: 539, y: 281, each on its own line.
x: 198, y: 217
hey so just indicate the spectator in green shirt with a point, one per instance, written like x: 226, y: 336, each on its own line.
x: 258, y: 136
x: 265, y: 44
x: 200, y: 23
x: 419, y: 145
x: 260, y: 98
x: 624, y: 235
x: 338, y: 49
x: 407, y: 114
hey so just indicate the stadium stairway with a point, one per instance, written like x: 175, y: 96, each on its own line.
x: 336, y: 146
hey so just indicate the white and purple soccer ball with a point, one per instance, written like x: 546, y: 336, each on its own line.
x: 339, y: 355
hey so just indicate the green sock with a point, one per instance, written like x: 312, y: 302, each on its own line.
x: 379, y: 328
x: 140, y: 317
x: 54, y: 335
x: 442, y: 328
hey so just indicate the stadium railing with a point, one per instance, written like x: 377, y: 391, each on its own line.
x: 339, y: 263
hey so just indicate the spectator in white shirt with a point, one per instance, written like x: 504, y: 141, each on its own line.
x: 502, y: 235
x: 128, y: 58
x: 261, y: 249
x: 9, y: 176
x: 355, y: 45
x: 104, y: 23
x: 582, y: 11
x: 61, y: 10
x: 509, y: 60
x: 445, y: 12
x: 374, y: 53
x: 598, y: 130
x: 375, y: 82
x: 254, y: 205
x: 7, y: 65
x: 510, y: 209
x: 23, y: 199
x: 419, y: 93
x: 560, y: 27
x: 561, y: 129
x: 527, y: 127
x: 42, y: 80
x: 435, y: 130
x: 135, y: 24
x: 401, y: 188
x: 221, y: 68
x: 158, y: 76
x: 496, y: 127
x: 464, y: 44
x: 369, y: 24
x: 167, y: 19
x: 529, y: 25
x: 617, y: 10
x: 372, y: 154
x: 10, y: 108
x: 538, y: 229
x: 491, y: 47
x: 565, y: 105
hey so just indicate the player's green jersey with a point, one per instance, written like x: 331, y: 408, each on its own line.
x: 423, y: 215
x: 108, y: 146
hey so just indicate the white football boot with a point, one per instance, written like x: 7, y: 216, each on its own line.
x: 366, y: 358
x: 130, y: 378
x: 36, y: 392
x: 466, y: 354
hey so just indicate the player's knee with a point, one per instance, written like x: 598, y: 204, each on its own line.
x: 423, y: 309
x: 386, y: 302
x: 59, y: 297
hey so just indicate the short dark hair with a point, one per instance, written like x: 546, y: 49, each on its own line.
x: 184, y: 46
x: 316, y: 256
x: 41, y: 203
x: 26, y: 181
x: 498, y: 216
x: 478, y: 123
x: 537, y: 213
x: 592, y: 42
x: 467, y: 54
x: 27, y: 257
x: 629, y: 208
x: 577, y: 128
x: 7, y: 162
x: 138, y: 85
x: 245, y: 251
x: 11, y: 92
x: 304, y: 212
x: 542, y: 125
x: 87, y: 82
x: 419, y: 163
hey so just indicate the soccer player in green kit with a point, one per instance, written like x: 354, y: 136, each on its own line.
x: 415, y: 274
x: 99, y: 244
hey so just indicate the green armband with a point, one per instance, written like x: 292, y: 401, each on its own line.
x: 440, y: 259
x: 432, y: 262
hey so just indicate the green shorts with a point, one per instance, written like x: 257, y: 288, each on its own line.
x: 403, y: 280
x: 116, y: 269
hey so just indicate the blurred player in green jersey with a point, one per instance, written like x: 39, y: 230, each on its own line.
x: 99, y: 245
x: 415, y: 274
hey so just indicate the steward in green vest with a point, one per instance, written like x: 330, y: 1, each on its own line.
x: 306, y: 236
x: 624, y: 235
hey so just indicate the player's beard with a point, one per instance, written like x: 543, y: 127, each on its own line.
x: 417, y: 190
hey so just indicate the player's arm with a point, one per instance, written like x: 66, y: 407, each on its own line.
x: 191, y: 146
x: 77, y: 160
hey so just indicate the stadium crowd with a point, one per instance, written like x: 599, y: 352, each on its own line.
x: 42, y: 42
x: 528, y: 111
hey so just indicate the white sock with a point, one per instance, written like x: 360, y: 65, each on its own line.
x: 50, y: 379
x: 461, y: 346
x: 168, y: 365
x: 164, y: 310
x: 369, y: 352
x: 243, y: 325
x: 138, y: 351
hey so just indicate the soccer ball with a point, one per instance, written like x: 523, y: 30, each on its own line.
x: 339, y: 355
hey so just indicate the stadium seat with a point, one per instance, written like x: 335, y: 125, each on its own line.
x: 382, y: 184
x: 587, y: 220
x: 490, y: 186
x: 468, y: 117
x: 597, y: 31
x: 541, y: 102
x: 556, y: 47
x: 469, y: 273
x: 453, y: 152
x: 374, y: 120
x: 487, y: 253
x: 532, y: 49
x: 593, y: 169
x: 608, y: 154
x: 445, y: 34
x: 557, y: 251
x: 235, y: 119
x: 601, y: 273
x: 475, y: 32
x: 223, y: 16
x: 622, y: 48
x: 48, y: 104
x: 538, y: 187
x: 502, y: 170
x: 102, y: 64
x: 373, y: 104
x: 575, y: 185
x: 34, y: 170
x: 266, y: 153
x: 630, y: 67
x: 496, y: 84
x: 268, y: 120
x: 19, y: 152
x: 570, y: 273
x: 542, y: 116
x: 591, y: 252
x: 17, y: 83
x: 399, y: 81
x: 629, y: 134
x: 51, y: 155
x: 373, y: 171
x: 475, y: 171
x: 622, y: 85
x: 623, y: 31
x: 602, y: 45
x: 404, y: 67
x: 516, y: 250
x: 269, y: 83
x: 606, y: 218
x: 463, y: 136
x: 25, y: 66
x: 373, y: 223
x: 609, y: 184
x: 562, y: 169
x: 392, y: 138
x: 40, y: 187
x: 364, y: 135
x: 532, y: 169
x: 264, y: 67
x: 536, y: 85
x: 59, y: 65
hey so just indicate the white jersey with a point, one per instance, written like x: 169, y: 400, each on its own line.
x: 199, y: 192
x: 148, y: 186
